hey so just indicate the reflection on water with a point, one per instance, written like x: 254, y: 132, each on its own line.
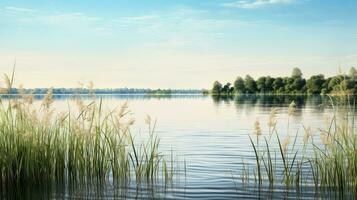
x: 273, y: 100
x: 211, y: 135
x: 67, y: 191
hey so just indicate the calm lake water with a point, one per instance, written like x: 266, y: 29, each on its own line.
x: 210, y: 137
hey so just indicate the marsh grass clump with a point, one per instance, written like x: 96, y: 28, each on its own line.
x: 326, y: 162
x: 40, y: 147
x: 335, y: 162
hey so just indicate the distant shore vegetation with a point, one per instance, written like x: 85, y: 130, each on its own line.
x: 89, y: 90
x: 295, y: 84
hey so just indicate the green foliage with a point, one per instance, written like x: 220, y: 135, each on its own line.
x: 278, y: 85
x: 334, y: 83
x: 288, y: 82
x: 298, y: 85
x: 87, y: 146
x: 269, y: 84
x: 261, y: 86
x: 296, y: 74
x: 315, y: 83
x: 80, y: 149
x: 250, y: 85
x: 329, y: 164
x: 76, y: 91
x: 353, y: 73
x: 227, y: 89
x: 351, y: 84
x: 217, y: 87
x: 295, y: 84
x: 239, y: 86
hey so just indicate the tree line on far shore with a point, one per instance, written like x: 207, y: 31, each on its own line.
x: 295, y: 84
x: 76, y: 91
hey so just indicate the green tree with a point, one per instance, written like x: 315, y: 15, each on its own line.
x: 351, y: 85
x: 295, y: 84
x: 227, y: 89
x: 296, y: 73
x: 325, y: 88
x: 217, y: 87
x: 288, y: 83
x: 269, y: 83
x: 315, y: 83
x: 278, y: 85
x: 261, y: 84
x: 353, y: 73
x: 250, y: 85
x: 298, y: 85
x: 334, y: 85
x: 239, y: 85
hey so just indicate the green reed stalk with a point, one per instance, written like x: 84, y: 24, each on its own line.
x: 39, y: 147
x: 332, y: 167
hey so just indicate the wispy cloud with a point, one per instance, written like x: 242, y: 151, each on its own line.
x: 73, y: 21
x: 181, y: 20
x: 181, y: 27
x: 254, y: 4
x: 18, y: 9
x: 62, y: 18
x: 137, y: 19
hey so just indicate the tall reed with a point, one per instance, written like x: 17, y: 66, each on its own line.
x: 39, y: 146
x: 330, y: 166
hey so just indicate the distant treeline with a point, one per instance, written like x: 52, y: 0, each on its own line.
x: 295, y: 84
x: 69, y: 91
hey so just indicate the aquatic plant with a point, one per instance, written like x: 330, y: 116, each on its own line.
x: 93, y: 146
x: 328, y: 164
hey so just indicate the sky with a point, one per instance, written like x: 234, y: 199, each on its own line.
x: 173, y: 43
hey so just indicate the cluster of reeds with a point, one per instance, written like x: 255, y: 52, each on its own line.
x: 334, y: 165
x: 327, y: 163
x: 38, y: 146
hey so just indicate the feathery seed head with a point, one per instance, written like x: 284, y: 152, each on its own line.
x: 15, y: 104
x: 80, y: 104
x: 34, y: 116
x: 272, y: 117
x: 148, y: 119
x: 48, y: 100
x: 285, y: 143
x: 47, y: 117
x: 131, y: 121
x: 292, y: 108
x: 307, y: 134
x: 257, y: 129
x: 122, y: 109
x: 7, y: 83
x: 28, y: 99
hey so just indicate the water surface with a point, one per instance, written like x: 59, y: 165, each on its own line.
x: 210, y: 136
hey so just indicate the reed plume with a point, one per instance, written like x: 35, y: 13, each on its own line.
x: 48, y: 100
x: 307, y: 134
x: 291, y: 108
x: 272, y: 120
x: 285, y: 143
x: 8, y: 83
x: 147, y: 119
x: 257, y: 128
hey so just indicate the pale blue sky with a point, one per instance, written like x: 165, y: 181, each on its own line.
x: 176, y: 43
